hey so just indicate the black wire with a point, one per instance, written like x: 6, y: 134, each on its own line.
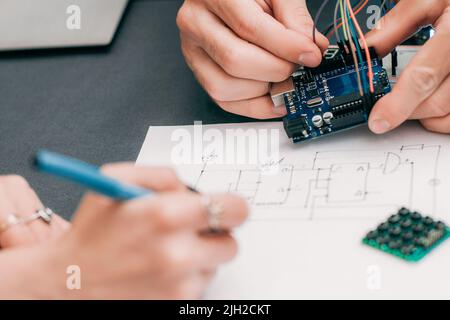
x: 386, y: 5
x: 328, y: 29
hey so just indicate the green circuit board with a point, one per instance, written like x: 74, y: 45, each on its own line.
x: 408, y: 235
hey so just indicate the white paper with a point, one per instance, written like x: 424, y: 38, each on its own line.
x: 303, y: 238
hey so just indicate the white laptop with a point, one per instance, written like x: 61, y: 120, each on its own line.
x: 35, y: 24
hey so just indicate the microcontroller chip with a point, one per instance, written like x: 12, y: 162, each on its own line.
x: 313, y: 93
x: 408, y: 235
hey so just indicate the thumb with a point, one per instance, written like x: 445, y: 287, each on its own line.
x: 158, y: 179
x: 402, y: 22
x: 294, y: 15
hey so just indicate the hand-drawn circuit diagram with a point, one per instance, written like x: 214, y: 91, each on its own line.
x: 344, y: 184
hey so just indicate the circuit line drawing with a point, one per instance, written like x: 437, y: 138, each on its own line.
x: 332, y: 184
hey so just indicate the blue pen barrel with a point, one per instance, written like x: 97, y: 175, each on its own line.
x: 87, y: 175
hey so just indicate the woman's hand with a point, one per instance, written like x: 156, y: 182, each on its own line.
x: 149, y: 248
x: 423, y: 89
x: 17, y: 197
x: 237, y: 47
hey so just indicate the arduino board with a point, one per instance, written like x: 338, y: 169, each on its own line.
x: 325, y: 100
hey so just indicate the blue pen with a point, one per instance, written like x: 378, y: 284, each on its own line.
x: 87, y: 175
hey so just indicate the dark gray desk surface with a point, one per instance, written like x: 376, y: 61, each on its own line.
x: 97, y: 103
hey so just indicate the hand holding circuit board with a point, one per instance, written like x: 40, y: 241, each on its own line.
x: 236, y: 48
x: 341, y: 92
x: 235, y: 61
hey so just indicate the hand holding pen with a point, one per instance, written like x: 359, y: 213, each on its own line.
x: 156, y: 240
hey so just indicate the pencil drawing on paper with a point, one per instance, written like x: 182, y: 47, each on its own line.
x: 334, y: 184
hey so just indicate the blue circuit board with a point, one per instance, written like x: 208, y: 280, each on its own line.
x: 327, y: 99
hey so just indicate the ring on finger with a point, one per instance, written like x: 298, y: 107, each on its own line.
x: 214, y: 210
x: 44, y: 214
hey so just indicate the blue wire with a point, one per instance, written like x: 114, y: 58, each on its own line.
x: 358, y: 50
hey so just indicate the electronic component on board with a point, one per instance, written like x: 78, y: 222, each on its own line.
x: 329, y: 92
x: 408, y: 235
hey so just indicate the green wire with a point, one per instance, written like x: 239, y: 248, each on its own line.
x: 344, y: 27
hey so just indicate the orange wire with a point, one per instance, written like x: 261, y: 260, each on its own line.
x: 340, y: 24
x: 366, y: 48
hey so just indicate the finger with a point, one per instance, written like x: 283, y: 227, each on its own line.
x: 440, y: 125
x: 435, y: 106
x: 16, y: 235
x: 250, y: 22
x: 209, y: 274
x: 191, y: 287
x: 183, y: 210
x: 257, y: 108
x: 265, y: 6
x: 59, y: 226
x: 402, y: 22
x: 154, y: 178
x: 220, y: 85
x: 235, y: 56
x: 212, y: 251
x: 159, y: 179
x: 421, y: 78
x: 42, y: 230
x: 294, y: 15
x: 26, y: 203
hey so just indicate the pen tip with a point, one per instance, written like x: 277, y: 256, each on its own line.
x: 34, y: 162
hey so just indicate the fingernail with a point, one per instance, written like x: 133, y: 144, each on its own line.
x: 379, y: 126
x: 308, y: 59
x: 281, y: 111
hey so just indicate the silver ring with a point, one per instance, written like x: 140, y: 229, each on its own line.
x: 44, y: 214
x: 214, y: 212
